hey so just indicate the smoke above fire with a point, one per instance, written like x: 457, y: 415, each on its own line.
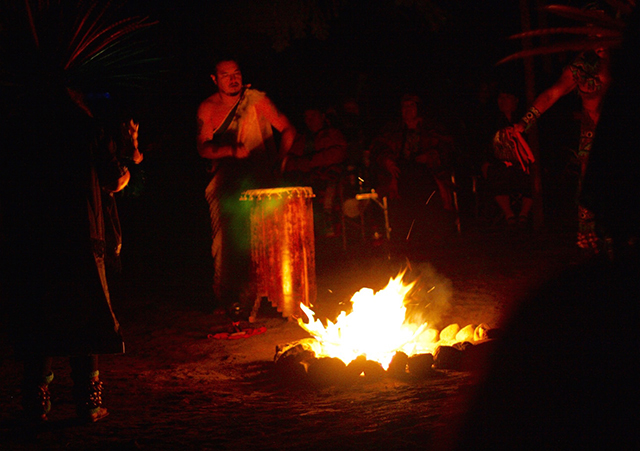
x: 430, y: 299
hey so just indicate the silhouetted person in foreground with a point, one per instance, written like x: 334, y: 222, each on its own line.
x: 55, y: 169
x: 565, y: 373
x: 58, y: 166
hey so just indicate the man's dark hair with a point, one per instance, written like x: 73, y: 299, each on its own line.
x: 221, y: 58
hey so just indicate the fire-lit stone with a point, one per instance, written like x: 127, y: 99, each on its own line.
x: 398, y: 365
x: 448, y: 358
x: 371, y: 370
x: 467, y: 333
x: 421, y: 365
x: 477, y: 357
x: 295, y: 351
x: 481, y: 332
x: 292, y: 360
x: 328, y: 371
x: 357, y: 366
x: 448, y: 334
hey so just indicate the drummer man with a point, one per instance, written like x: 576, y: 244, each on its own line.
x: 235, y: 136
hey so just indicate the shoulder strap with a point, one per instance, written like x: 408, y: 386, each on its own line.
x: 227, y: 120
x: 211, y: 165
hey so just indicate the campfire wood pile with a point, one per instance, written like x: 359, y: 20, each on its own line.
x: 297, y: 362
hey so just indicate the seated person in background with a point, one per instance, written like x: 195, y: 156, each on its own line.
x: 509, y: 173
x: 316, y: 159
x: 412, y: 161
x: 352, y: 125
x: 351, y: 122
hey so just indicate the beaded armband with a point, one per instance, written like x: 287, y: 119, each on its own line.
x: 585, y: 215
x: 530, y: 118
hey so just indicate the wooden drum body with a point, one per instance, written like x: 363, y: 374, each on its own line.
x: 282, y: 248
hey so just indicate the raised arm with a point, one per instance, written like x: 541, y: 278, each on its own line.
x: 544, y: 101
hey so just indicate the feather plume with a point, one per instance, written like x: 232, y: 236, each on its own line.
x: 599, y: 30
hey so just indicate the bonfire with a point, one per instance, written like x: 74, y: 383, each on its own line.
x: 378, y: 328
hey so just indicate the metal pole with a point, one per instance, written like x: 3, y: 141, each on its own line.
x: 386, y: 218
x: 454, y: 191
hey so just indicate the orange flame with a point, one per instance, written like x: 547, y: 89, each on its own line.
x: 377, y: 328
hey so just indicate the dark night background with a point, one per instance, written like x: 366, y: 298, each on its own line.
x: 310, y: 51
x: 374, y: 51
x: 302, y: 52
x: 176, y: 388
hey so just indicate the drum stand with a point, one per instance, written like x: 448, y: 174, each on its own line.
x: 373, y: 196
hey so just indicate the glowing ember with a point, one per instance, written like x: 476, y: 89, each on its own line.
x: 377, y: 328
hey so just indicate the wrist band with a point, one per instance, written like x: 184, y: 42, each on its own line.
x: 585, y: 215
x: 531, y: 117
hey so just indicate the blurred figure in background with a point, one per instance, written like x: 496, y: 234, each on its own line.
x: 508, y: 173
x: 413, y: 161
x: 317, y: 160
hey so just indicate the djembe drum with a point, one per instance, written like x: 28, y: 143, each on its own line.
x: 282, y: 248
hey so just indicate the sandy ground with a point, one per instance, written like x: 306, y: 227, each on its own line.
x: 178, y: 388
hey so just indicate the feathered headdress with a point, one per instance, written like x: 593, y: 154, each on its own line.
x: 82, y: 44
x: 598, y: 30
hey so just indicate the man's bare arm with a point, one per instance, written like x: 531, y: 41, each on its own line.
x: 287, y: 139
x: 280, y: 122
x: 207, y: 148
x: 546, y: 99
x: 562, y: 87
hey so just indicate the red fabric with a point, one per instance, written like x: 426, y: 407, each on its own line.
x: 243, y: 333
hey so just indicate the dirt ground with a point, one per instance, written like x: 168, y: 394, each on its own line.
x: 178, y: 388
